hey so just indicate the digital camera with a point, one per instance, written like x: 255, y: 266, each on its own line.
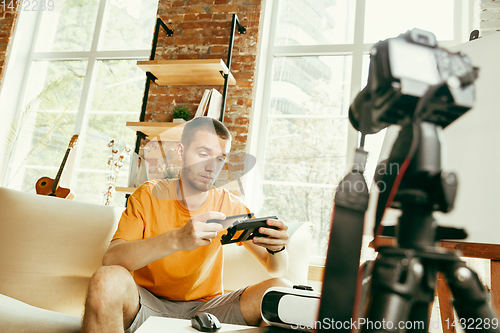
x: 402, y: 70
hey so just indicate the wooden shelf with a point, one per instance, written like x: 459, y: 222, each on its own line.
x: 197, y: 72
x: 167, y: 131
x: 126, y: 190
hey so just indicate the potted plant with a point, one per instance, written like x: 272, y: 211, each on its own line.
x: 181, y: 114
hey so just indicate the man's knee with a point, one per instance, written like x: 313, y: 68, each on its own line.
x: 109, y: 284
x: 279, y: 282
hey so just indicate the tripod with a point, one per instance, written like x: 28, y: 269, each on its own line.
x: 404, y: 277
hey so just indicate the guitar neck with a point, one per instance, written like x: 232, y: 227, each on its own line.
x: 59, y: 173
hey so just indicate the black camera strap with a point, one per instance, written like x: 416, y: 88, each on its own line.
x: 399, y: 154
x: 341, y: 278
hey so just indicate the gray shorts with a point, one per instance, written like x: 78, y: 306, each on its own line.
x: 225, y: 307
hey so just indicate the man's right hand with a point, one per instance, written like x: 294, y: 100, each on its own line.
x: 196, y: 232
x: 134, y: 255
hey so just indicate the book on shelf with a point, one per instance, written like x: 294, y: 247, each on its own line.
x: 210, y: 104
x: 215, y: 104
x: 201, y: 111
x: 138, y: 171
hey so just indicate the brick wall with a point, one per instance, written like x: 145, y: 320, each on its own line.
x: 202, y: 31
x: 7, y: 23
x: 486, y: 16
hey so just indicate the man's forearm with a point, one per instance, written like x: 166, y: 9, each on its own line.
x: 277, y: 264
x: 134, y: 255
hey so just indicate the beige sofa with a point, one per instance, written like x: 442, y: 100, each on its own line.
x: 50, y: 247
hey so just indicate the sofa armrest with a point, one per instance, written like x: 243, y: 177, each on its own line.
x: 50, y: 247
x: 16, y: 316
x: 242, y: 269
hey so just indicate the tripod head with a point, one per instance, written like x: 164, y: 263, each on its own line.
x: 422, y: 88
x: 419, y: 189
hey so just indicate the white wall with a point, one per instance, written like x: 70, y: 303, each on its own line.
x: 472, y: 148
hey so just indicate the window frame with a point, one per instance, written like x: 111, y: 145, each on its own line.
x: 31, y: 22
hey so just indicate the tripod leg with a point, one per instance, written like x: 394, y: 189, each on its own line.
x: 396, y: 291
x: 470, y: 300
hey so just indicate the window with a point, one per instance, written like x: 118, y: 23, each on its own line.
x: 94, y: 44
x: 316, y: 62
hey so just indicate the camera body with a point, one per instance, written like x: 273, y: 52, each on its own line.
x: 402, y: 70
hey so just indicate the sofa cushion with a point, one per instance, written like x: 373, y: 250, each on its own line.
x: 50, y: 247
x: 242, y: 269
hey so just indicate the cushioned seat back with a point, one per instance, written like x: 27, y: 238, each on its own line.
x: 50, y: 247
x: 242, y: 269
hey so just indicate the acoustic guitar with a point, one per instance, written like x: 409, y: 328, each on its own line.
x: 49, y: 186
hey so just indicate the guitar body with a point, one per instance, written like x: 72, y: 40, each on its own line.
x: 49, y: 186
x: 44, y: 187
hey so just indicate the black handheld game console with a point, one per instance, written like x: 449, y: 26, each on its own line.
x: 243, y: 227
x: 231, y: 220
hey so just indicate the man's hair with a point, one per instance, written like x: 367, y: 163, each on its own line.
x: 204, y: 123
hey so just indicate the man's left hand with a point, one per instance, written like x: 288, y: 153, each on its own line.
x: 277, y: 237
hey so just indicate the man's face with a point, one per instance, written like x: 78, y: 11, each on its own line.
x: 203, y: 159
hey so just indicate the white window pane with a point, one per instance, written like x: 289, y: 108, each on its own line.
x: 102, y: 128
x: 306, y: 150
x: 311, y: 85
x: 46, y: 159
x: 69, y: 27
x: 53, y: 153
x: 129, y: 25
x: 93, y: 163
x: 51, y: 123
x: 91, y: 186
x: 302, y: 204
x: 315, y: 22
x: 306, y: 140
x: 365, y: 70
x: 117, y: 98
x: 389, y: 18
x: 119, y: 87
x: 373, y: 145
x: 67, y: 95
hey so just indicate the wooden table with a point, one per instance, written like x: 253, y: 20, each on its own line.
x: 162, y: 325
x: 471, y: 250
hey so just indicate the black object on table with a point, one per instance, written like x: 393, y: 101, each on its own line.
x: 206, y: 322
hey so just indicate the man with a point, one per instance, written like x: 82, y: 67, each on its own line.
x: 175, y: 257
